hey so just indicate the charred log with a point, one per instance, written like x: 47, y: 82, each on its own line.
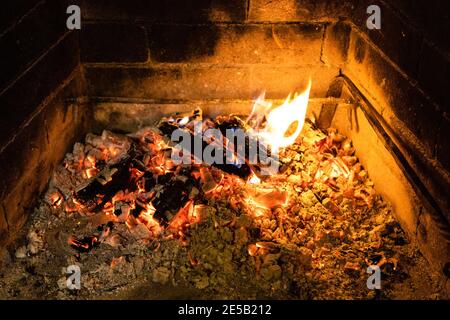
x: 173, y: 196
x: 226, y: 164
x: 101, y: 188
x: 253, y: 153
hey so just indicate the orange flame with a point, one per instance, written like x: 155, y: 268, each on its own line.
x: 147, y: 218
x: 280, y: 119
x: 56, y: 199
x: 254, y: 179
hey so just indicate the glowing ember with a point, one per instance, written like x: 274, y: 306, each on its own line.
x: 84, y: 244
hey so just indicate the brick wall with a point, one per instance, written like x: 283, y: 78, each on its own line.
x: 206, y: 49
x: 405, y: 71
x: 415, y: 37
x: 201, y: 49
x: 39, y: 72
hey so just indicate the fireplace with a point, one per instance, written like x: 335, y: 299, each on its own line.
x: 137, y: 65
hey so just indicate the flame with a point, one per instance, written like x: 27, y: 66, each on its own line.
x: 280, y: 119
x: 254, y: 179
x: 56, y: 199
x: 252, y: 250
x: 91, y: 172
x: 184, y: 121
x: 147, y: 218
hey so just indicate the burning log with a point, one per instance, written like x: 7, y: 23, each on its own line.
x: 255, y: 152
x: 116, y: 175
x: 173, y: 196
x: 252, y: 154
x: 100, y: 189
x: 225, y: 163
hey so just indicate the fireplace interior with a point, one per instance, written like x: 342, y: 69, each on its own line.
x: 84, y: 145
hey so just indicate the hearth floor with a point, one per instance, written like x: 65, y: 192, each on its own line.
x: 317, y: 246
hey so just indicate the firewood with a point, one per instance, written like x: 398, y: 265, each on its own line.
x: 244, y: 170
x: 172, y: 197
x: 102, y: 187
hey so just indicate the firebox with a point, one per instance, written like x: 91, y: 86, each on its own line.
x: 345, y: 194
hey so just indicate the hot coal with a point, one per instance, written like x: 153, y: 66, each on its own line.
x: 84, y: 244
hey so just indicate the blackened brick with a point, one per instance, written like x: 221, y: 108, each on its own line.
x: 20, y: 100
x: 434, y: 75
x: 3, y: 222
x: 28, y: 160
x: 13, y: 11
x: 181, y: 43
x: 113, y: 43
x: 165, y: 11
x: 417, y: 111
x: 396, y: 38
x: 30, y: 38
x: 398, y: 97
x: 336, y: 43
x: 200, y: 82
x: 443, y: 144
x: 430, y: 17
x: 134, y: 82
x: 294, y: 44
